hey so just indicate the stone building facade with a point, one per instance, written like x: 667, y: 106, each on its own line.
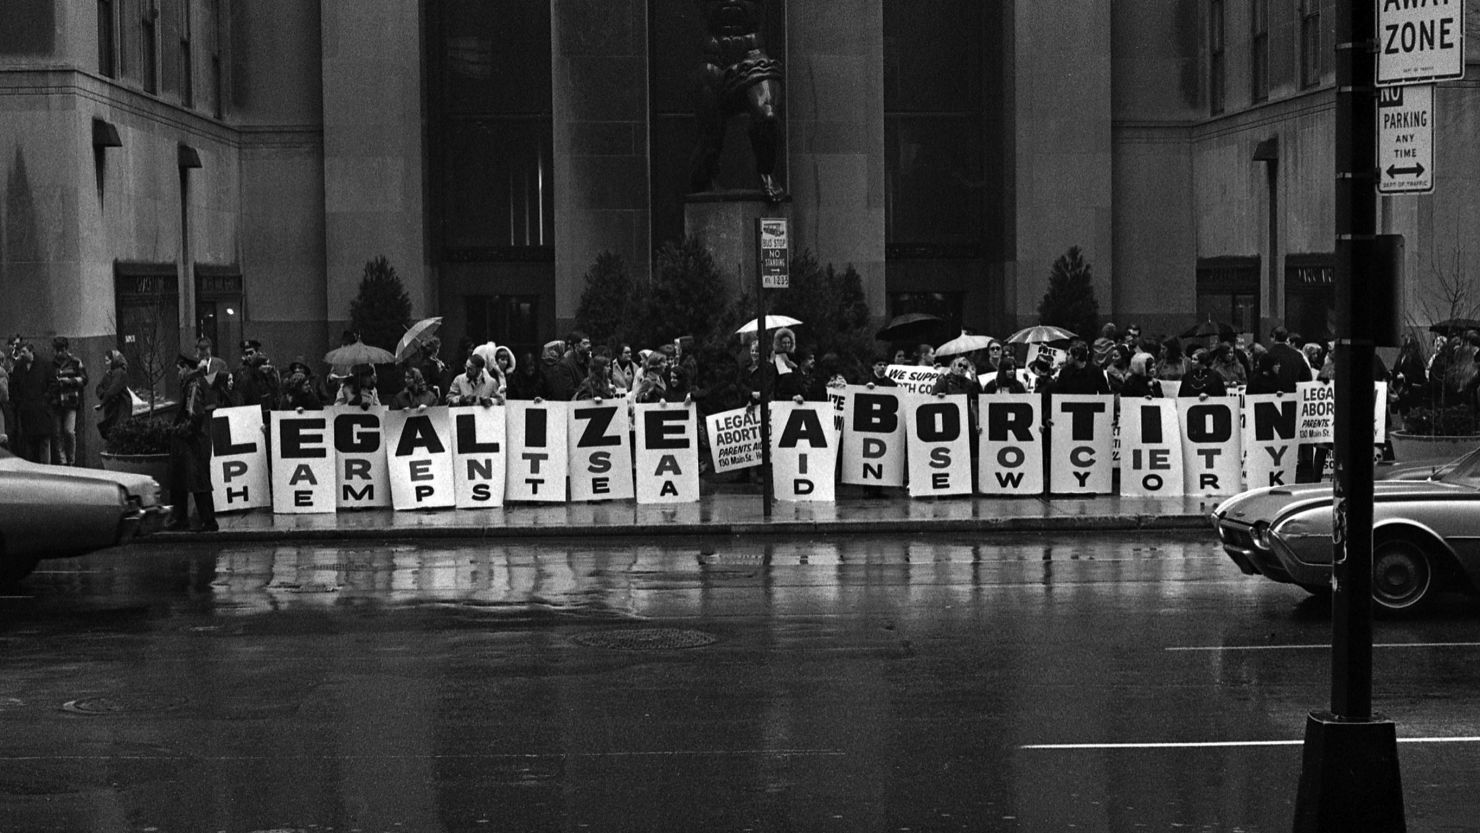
x: 228, y: 166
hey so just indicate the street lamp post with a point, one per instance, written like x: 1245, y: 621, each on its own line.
x: 1349, y: 779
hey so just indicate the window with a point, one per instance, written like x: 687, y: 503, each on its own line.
x: 492, y: 114
x: 1259, y: 50
x: 145, y: 306
x: 1228, y: 292
x: 1310, y: 43
x: 1215, y: 56
x: 107, y: 42
x: 149, y: 50
x: 512, y: 319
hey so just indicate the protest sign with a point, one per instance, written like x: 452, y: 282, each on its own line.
x: 667, y: 453
x: 734, y: 439
x: 1270, y: 444
x: 1151, y: 454
x: 303, y: 479
x: 537, y: 459
x: 939, y: 445
x: 804, y: 451
x: 1043, y: 350
x: 360, y: 457
x: 914, y: 378
x: 239, y: 468
x: 479, y: 456
x: 873, y: 440
x: 1011, y: 459
x: 419, y: 454
x: 1317, y: 412
x: 839, y: 399
x: 600, y: 442
x: 1081, y: 429
x: 1212, y: 462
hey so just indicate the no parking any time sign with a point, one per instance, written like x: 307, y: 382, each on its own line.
x: 1405, y: 139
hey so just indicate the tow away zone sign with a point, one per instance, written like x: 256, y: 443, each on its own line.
x: 1405, y: 139
x: 1420, y: 40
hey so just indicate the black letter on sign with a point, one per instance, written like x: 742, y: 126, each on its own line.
x: 875, y: 414
x: 467, y: 437
x: 1276, y: 419
x: 535, y: 426
x: 221, y: 439
x: 595, y: 434
x: 1015, y: 418
x: 350, y: 441
x: 803, y: 425
x: 419, y: 433
x: 1150, y: 424
x: 938, y: 422
x: 294, y: 436
x: 1209, y: 424
x: 664, y: 429
x: 1083, y: 415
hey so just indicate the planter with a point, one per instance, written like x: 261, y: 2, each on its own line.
x: 1413, y: 447
x: 156, y: 466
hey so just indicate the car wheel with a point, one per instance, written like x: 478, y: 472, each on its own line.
x: 1402, y: 574
x: 14, y: 568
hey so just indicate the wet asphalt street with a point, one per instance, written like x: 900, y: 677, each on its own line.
x: 1111, y: 683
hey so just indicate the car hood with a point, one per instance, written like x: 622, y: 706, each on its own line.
x: 140, y: 486
x: 1266, y: 504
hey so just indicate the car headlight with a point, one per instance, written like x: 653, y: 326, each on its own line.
x: 1260, y: 534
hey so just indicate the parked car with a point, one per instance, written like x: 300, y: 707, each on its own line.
x: 61, y: 511
x: 1425, y: 528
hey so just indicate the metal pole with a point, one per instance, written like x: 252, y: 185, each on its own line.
x: 1356, y: 236
x: 765, y: 412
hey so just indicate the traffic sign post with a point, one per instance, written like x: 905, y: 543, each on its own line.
x: 1420, y: 40
x: 1405, y: 139
x: 772, y: 271
x: 772, y: 255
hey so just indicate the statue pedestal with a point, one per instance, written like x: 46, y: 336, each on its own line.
x: 726, y: 222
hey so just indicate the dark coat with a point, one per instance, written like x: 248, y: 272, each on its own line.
x: 190, y: 444
x: 1079, y: 380
x: 113, y: 396
x: 1293, y: 368
x: 1200, y: 380
x: 28, y: 384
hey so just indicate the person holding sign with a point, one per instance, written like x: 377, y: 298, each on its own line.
x: 1141, y: 383
x: 359, y: 388
x: 1200, y: 378
x: 1005, y: 380
x: 415, y: 395
x: 190, y: 450
x: 781, y: 375
x: 474, y: 386
x: 1077, y: 376
x: 598, y: 384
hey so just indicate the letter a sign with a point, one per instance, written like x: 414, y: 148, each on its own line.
x: 1420, y: 40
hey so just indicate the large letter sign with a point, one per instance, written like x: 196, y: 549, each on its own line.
x: 1011, y: 458
x: 1151, y: 448
x: 804, y: 451
x: 538, y: 462
x: 1212, y: 464
x: 667, y: 453
x: 364, y: 480
x: 939, y: 445
x: 873, y: 443
x: 479, y: 456
x: 239, y: 471
x: 1271, y: 450
x: 600, y: 441
x: 303, y: 479
x: 1083, y: 428
x: 420, y: 458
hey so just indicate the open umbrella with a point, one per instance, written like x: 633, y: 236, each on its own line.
x: 1203, y: 329
x: 1040, y: 334
x: 965, y: 343
x: 358, y: 353
x: 912, y: 326
x: 416, y: 335
x: 1450, y: 326
x: 773, y: 322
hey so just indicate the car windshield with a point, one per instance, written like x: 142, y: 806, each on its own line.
x: 1464, y: 471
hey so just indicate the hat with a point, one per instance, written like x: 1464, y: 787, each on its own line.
x: 299, y: 367
x: 59, y: 343
x: 251, y: 344
x: 1040, y: 366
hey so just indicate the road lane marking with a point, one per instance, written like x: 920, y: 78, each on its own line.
x: 1212, y: 744
x: 1302, y: 647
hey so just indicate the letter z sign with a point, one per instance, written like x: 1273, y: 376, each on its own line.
x: 1420, y: 40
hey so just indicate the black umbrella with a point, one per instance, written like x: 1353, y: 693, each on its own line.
x: 912, y: 326
x: 1210, y: 327
x: 1451, y: 326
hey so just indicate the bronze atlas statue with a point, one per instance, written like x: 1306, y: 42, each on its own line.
x: 737, y: 76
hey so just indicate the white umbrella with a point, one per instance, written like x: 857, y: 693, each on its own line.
x: 773, y: 322
x: 965, y: 343
x: 1039, y: 334
x: 415, y: 335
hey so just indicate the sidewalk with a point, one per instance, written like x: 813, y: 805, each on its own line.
x: 729, y: 512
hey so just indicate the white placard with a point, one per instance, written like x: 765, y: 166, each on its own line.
x: 419, y: 454
x: 479, y: 455
x: 537, y: 459
x: 1151, y: 454
x: 804, y: 451
x: 303, y: 479
x: 364, y: 479
x: 1011, y: 458
x: 1270, y: 448
x: 1211, y: 458
x: 667, y: 453
x: 1080, y: 437
x: 734, y: 439
x: 240, y: 474
x: 872, y: 452
x: 939, y: 445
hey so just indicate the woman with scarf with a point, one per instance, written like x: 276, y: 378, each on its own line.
x: 1140, y: 383
x: 416, y: 394
x: 781, y: 375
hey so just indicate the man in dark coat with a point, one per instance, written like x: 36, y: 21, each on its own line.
x: 573, y: 368
x: 1291, y: 365
x: 190, y: 449
x: 29, y: 381
x: 1077, y: 376
x: 256, y: 381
